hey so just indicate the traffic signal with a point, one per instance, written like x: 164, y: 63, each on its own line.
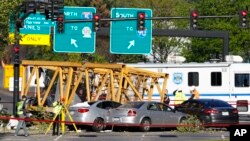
x: 16, y: 50
x: 194, y: 19
x: 53, y: 9
x: 141, y: 21
x: 30, y: 7
x: 96, y: 22
x: 60, y: 24
x: 243, y: 19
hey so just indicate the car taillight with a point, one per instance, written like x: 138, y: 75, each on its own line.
x: 131, y: 113
x: 83, y: 110
x: 234, y: 111
x: 211, y: 111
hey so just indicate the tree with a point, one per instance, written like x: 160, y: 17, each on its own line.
x: 202, y: 49
x: 7, y: 7
x: 164, y: 46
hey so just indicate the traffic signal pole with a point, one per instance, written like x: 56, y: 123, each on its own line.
x: 16, y: 63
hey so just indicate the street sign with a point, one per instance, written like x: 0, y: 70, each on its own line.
x: 124, y: 36
x: 77, y: 37
x: 36, y: 30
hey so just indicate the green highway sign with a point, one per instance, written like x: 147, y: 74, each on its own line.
x: 36, y: 30
x: 77, y: 37
x: 124, y: 36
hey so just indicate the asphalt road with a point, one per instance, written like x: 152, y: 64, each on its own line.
x: 123, y: 136
x: 6, y: 99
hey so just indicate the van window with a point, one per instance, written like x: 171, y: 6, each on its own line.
x: 193, y: 79
x: 241, y: 80
x: 216, y: 79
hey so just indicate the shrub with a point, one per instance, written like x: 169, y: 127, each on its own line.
x: 190, y: 124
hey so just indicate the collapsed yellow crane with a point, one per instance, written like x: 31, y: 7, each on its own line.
x: 119, y: 82
x: 116, y: 79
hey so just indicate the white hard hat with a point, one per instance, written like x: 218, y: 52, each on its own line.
x: 179, y: 89
x: 192, y: 88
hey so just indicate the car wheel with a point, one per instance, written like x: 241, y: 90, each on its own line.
x: 145, y: 125
x: 98, y: 125
x: 182, y: 124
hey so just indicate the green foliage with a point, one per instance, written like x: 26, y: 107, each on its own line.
x: 44, y: 117
x: 194, y: 49
x: 190, y: 124
x: 3, y: 114
x: 202, y: 49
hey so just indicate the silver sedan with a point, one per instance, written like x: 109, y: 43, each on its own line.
x: 91, y: 114
x: 145, y: 114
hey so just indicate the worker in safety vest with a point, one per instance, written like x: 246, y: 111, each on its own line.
x: 21, y: 113
x: 194, y: 93
x: 179, y: 96
x: 57, y: 107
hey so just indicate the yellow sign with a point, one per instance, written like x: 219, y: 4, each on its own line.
x: 33, y: 39
x: 8, y: 73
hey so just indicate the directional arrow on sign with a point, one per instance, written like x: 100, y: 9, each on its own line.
x: 125, y: 38
x: 73, y: 42
x: 131, y: 43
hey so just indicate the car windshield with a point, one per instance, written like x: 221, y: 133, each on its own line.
x: 216, y: 103
x: 135, y: 105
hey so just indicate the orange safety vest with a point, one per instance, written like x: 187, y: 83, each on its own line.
x: 196, y: 94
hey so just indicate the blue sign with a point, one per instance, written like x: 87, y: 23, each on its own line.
x: 35, y: 23
x: 77, y: 37
x: 177, y: 78
x: 124, y: 36
x: 36, y: 30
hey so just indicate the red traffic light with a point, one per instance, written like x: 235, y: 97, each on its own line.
x: 194, y: 14
x: 243, y: 13
x: 96, y: 17
x: 141, y: 15
x: 60, y: 18
x: 16, y: 49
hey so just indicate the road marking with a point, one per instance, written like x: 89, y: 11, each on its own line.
x: 57, y: 138
x: 142, y: 137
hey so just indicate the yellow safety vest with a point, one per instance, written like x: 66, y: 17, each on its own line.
x: 20, y: 107
x: 57, y: 109
x: 179, y: 98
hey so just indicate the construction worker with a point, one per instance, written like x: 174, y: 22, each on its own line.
x: 57, y: 107
x: 179, y: 96
x: 21, y: 113
x: 194, y: 93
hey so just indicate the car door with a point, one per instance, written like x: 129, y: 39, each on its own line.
x: 154, y: 113
x: 167, y: 115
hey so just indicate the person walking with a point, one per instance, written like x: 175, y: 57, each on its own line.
x: 179, y: 96
x: 22, y: 114
x: 194, y: 93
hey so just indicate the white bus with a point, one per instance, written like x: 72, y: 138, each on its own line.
x: 223, y: 80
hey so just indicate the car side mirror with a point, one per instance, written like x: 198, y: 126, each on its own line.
x: 174, y: 110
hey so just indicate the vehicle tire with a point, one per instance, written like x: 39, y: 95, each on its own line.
x: 182, y: 124
x: 145, y: 125
x: 98, y: 125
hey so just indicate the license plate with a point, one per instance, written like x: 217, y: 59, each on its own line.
x: 225, y: 113
x: 116, y: 119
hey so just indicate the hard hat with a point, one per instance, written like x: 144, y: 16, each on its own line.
x: 179, y: 89
x: 192, y: 88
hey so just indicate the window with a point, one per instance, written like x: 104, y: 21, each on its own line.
x: 152, y: 107
x: 193, y: 79
x: 241, y: 80
x: 216, y: 79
